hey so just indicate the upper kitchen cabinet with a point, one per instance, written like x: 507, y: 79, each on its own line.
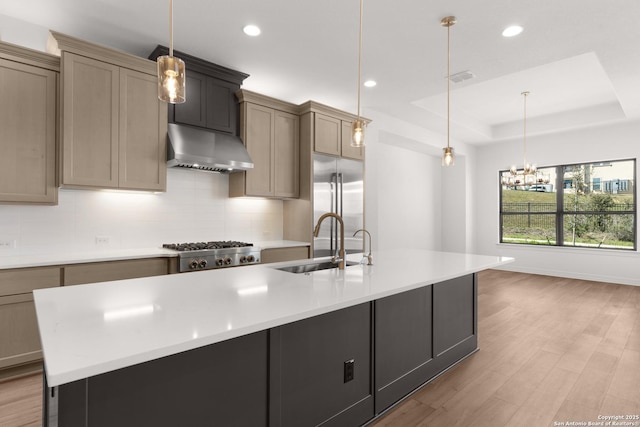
x: 270, y: 129
x: 28, y: 125
x: 113, y: 125
x: 210, y: 104
x: 210, y: 93
x: 331, y: 130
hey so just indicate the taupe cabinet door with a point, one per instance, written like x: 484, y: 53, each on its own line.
x: 328, y: 135
x: 347, y: 149
x: 333, y: 136
x: 286, y: 154
x: 90, y: 91
x: 27, y: 133
x: 272, y: 138
x: 143, y: 129
x: 19, y: 337
x: 114, y: 127
x: 259, y: 136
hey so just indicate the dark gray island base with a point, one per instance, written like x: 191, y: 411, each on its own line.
x: 342, y: 368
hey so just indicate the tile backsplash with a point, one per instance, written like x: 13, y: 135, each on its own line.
x: 195, y: 207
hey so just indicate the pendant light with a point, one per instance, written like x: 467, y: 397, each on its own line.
x: 357, y: 132
x: 528, y: 175
x: 447, y: 155
x: 171, y: 76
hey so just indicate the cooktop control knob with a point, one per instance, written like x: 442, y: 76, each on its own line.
x: 193, y: 264
x: 219, y: 262
x: 202, y: 263
x: 243, y: 259
x: 227, y: 261
x: 250, y: 258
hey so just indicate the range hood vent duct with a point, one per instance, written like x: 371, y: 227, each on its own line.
x: 206, y: 150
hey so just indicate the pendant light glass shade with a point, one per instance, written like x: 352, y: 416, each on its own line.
x: 171, y: 71
x: 357, y: 131
x: 171, y: 79
x: 448, y: 158
x: 358, y: 127
x: 447, y: 155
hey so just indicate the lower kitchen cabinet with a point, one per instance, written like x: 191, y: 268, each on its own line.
x: 223, y: 384
x: 403, y: 344
x: 421, y: 333
x: 20, y: 350
x: 115, y: 270
x: 455, y: 320
x: 321, y: 370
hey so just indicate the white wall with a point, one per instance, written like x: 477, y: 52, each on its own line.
x: 400, y: 208
x: 403, y: 208
x: 194, y: 208
x: 619, y: 141
x: 453, y: 202
x: 23, y: 33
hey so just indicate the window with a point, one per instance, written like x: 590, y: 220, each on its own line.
x: 589, y: 205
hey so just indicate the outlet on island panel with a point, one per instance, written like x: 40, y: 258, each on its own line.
x: 348, y: 370
x: 7, y: 244
x: 102, y: 240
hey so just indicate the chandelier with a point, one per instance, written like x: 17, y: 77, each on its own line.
x: 528, y: 175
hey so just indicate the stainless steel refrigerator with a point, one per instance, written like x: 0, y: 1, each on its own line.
x: 338, y: 187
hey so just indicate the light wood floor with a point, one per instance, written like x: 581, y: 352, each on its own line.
x: 552, y: 350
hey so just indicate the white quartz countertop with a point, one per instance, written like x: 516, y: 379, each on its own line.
x: 71, y: 257
x: 91, y: 329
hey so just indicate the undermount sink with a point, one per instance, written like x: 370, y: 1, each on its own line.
x: 309, y: 268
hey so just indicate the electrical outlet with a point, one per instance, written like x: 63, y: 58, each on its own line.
x: 348, y: 370
x: 102, y: 240
x: 7, y: 244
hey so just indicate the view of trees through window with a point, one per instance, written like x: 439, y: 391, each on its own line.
x: 583, y: 205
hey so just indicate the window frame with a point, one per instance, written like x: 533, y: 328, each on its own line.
x: 560, y: 212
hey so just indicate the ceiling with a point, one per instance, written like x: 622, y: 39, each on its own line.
x: 578, y: 58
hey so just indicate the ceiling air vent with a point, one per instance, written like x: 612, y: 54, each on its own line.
x: 461, y: 76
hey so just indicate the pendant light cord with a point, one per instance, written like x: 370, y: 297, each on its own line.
x: 524, y: 165
x: 448, y: 80
x: 170, y: 27
x: 360, y: 56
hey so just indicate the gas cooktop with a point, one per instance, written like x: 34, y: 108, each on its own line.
x: 195, y: 256
x: 198, y: 246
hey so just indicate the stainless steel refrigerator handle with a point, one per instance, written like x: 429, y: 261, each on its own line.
x: 333, y: 232
x: 340, y: 192
x: 339, y: 211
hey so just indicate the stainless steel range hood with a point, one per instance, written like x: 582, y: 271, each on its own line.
x: 206, y: 150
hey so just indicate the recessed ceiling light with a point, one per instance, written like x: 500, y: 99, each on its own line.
x: 511, y: 31
x: 370, y: 83
x: 251, y: 30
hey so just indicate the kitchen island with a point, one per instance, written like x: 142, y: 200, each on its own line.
x: 256, y: 345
